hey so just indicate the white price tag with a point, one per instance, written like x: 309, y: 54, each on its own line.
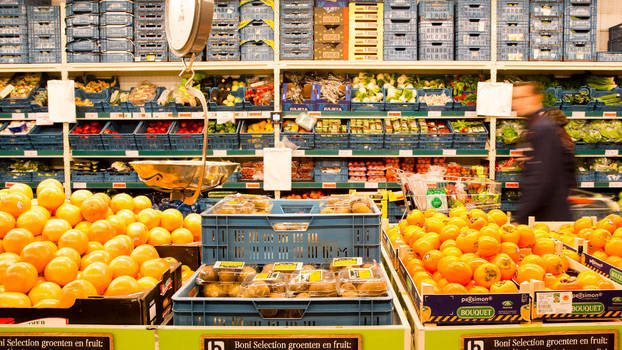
x: 219, y: 153
x: 587, y: 185
x: 435, y: 114
x: 578, y: 114
x: 615, y: 184
x: 299, y: 153
x: 19, y: 116
x: 162, y: 114
x: 223, y: 117
x: 43, y: 119
x: 79, y: 185
x: 118, y: 185
x: 513, y: 114
x: 62, y: 101
x: 259, y: 153
x: 141, y: 115
x: 30, y: 153
x: 116, y: 115
x: 406, y: 153
x: 611, y: 153
x: 371, y: 185
x: 197, y: 115
x: 345, y: 153
x: 449, y: 152
x: 131, y: 153
x: 6, y: 91
x: 91, y: 115
x: 554, y: 303
x: 470, y: 114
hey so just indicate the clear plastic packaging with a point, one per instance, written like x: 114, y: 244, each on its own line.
x: 361, y: 282
x: 355, y: 204
x: 265, y: 285
x: 339, y: 264
x: 313, y: 283
x: 223, y: 279
x: 244, y: 204
x: 286, y: 268
x: 142, y: 94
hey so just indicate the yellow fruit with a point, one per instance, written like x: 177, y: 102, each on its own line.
x: 83, y: 226
x: 47, y: 183
x: 7, y: 223
x: 77, y: 289
x: 23, y: 189
x: 123, y: 266
x: 140, y: 203
x: 159, y: 236
x: 45, y: 290
x: 47, y: 303
x: 54, y: 229
x: 118, y: 224
x: 69, y: 212
x: 123, y: 285
x: 143, y: 253
x: 138, y: 232
x: 100, y: 256
x: 11, y: 299
x: 20, y: 277
x: 172, y: 219
x: 192, y: 222
x: 147, y: 283
x: 117, y: 247
x: 61, y: 270
x: 99, y: 275
x: 182, y: 236
x: 6, y: 260
x: 79, y: 196
x: 94, y: 208
x: 121, y: 201
x: 104, y: 197
x: 93, y: 246
x: 15, y: 203
x: 186, y: 275
x: 101, y: 231
x: 75, y: 239
x: 149, y: 217
x: 50, y: 198
x: 127, y: 216
x: 16, y: 239
x: 41, y: 210
x: 154, y: 268
x: 39, y: 254
x: 69, y: 253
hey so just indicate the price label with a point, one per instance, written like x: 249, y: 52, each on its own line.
x: 223, y: 117
x: 79, y: 185
x: 19, y: 116
x: 345, y: 153
x: 587, y: 184
x: 516, y: 152
x: 116, y: 115
x: 118, y: 185
x: 8, y: 184
x: 91, y: 115
x: 615, y: 184
x: 299, y: 153
x: 406, y: 153
x: 43, y: 119
x: 611, y: 153
x: 511, y: 185
x: 141, y: 115
x: 578, y: 114
x: 197, y: 115
x: 513, y: 114
x: 259, y: 153
x: 253, y: 185
x: 329, y: 185
x: 371, y: 185
x: 131, y: 153
x: 610, y: 114
x: 254, y: 114
x: 394, y: 114
x: 449, y: 152
x: 434, y: 114
x: 220, y: 153
x: 184, y: 115
x: 162, y: 114
x: 470, y: 114
x: 314, y: 114
x: 30, y: 153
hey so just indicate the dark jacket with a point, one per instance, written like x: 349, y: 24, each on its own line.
x: 548, y: 174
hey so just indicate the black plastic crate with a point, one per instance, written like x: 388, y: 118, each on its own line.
x: 121, y: 136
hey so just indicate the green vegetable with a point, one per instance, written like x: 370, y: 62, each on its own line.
x: 549, y: 99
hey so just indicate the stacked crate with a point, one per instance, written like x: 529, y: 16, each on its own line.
x: 44, y: 34
x: 365, y: 31
x: 82, y: 31
x: 614, y: 46
x: 473, y: 30
x: 512, y: 30
x: 149, y: 32
x: 546, y: 28
x: 436, y: 30
x: 13, y: 32
x: 257, y: 29
x: 224, y: 40
x: 297, y: 44
x: 400, y: 45
x: 116, y: 14
x: 330, y: 31
x: 580, y: 29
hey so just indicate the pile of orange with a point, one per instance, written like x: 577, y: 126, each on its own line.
x: 54, y: 250
x: 478, y: 252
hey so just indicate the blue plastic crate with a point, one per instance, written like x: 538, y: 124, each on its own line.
x: 297, y: 34
x: 546, y: 53
x: 83, y: 46
x: 44, y: 56
x: 121, y: 177
x: 201, y: 311
x: 12, y: 10
x: 513, y: 31
x: 150, y: 35
x: 44, y: 175
x: 19, y: 104
x: 43, y: 27
x: 576, y: 23
x: 512, y: 51
x: 469, y: 137
x: 49, y: 137
x: 586, y: 176
x: 304, y: 140
x: 424, y: 106
x: 17, y: 176
x: 579, y: 51
x: 366, y: 142
x: 11, y: 142
x: 544, y: 9
x: 149, y: 17
x: 320, y: 175
x: 116, y: 6
x: 256, y: 51
x: 579, y: 35
x: 222, y: 141
x: 13, y: 50
x: 123, y: 140
x: 85, y: 19
x: 331, y: 3
x: 258, y: 10
x: 582, y: 146
x: 477, y: 25
x: 226, y: 10
x: 436, y: 51
x: 124, y: 32
x: 392, y: 25
x: 436, y: 136
x: 87, y: 176
x: 254, y: 140
x: 13, y: 21
x: 224, y: 26
x: 296, y: 25
x: 150, y: 46
x: 84, y: 32
x: 238, y: 106
x: 400, y: 3
x: 604, y: 56
x: 472, y: 53
x: 14, y: 30
x: 153, y: 6
x: 216, y: 45
x: 297, y: 15
x: 256, y: 30
x: 82, y: 7
x: 400, y: 39
x: 401, y: 106
x: 149, y: 26
x: 583, y: 11
x: 546, y: 38
x: 436, y: 9
x: 44, y: 42
x: 473, y: 9
x: 116, y: 19
x: 331, y: 141
x: 477, y: 39
x: 296, y: 4
x: 435, y: 30
x: 549, y: 24
x: 297, y: 54
x: 580, y: 2
x: 435, y: 145
x: 365, y: 106
x: 151, y: 56
x: 306, y: 105
x: 223, y: 55
x: 14, y: 40
x: 395, y: 212
x: 116, y: 45
x: 469, y: 145
x: 401, y: 141
x: 14, y: 59
x: 151, y: 142
x: 323, y: 104
x: 600, y: 106
x: 296, y: 44
x: 400, y: 13
x: 512, y: 10
x: 251, y: 106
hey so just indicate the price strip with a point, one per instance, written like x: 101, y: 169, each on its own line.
x: 162, y: 115
x: 449, y: 152
x: 615, y: 184
x: 516, y: 153
x: 298, y: 153
x: 91, y: 115
x: 79, y: 185
x: 8, y: 184
x: 611, y: 153
x: 219, y: 153
x: 118, y: 185
x: 610, y: 114
x: 19, y: 116
x: 406, y: 153
x: 314, y: 114
x: 256, y: 114
x: 568, y: 339
x: 30, y: 153
x: 587, y: 184
x: 578, y: 114
x: 259, y: 153
x: 184, y: 114
x: 43, y: 119
x: 116, y: 115
x: 435, y: 114
x: 512, y: 185
x: 141, y: 115
x: 371, y: 185
x: 470, y: 114
x: 131, y: 153
x: 394, y: 114
x: 329, y: 185
x: 253, y: 185
x: 345, y: 153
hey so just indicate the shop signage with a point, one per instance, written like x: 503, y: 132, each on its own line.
x: 56, y: 341
x: 576, y: 340
x: 282, y: 342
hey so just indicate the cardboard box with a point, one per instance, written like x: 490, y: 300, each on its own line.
x: 330, y: 16
x: 329, y: 34
x: 329, y: 51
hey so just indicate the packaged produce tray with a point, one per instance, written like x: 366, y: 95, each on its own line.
x: 252, y: 237
x: 365, y: 106
x: 322, y: 176
x: 254, y: 140
x: 49, y: 137
x: 323, y: 104
x: 149, y: 308
x: 367, y: 142
x: 423, y: 106
x: 91, y: 142
x: 331, y: 140
x: 469, y: 136
x: 123, y: 139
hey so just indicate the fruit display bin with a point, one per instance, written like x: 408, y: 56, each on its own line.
x: 149, y: 308
x: 323, y: 104
x: 507, y: 176
x: 253, y: 238
x: 303, y: 140
x: 306, y: 105
x: 367, y: 142
x: 325, y: 140
x: 90, y: 142
x: 16, y: 176
x: 123, y: 140
x: 151, y: 142
x: 254, y: 140
x: 12, y: 142
x: 42, y: 175
x: 49, y: 137
x: 194, y: 142
x: 129, y: 176
x: 87, y: 176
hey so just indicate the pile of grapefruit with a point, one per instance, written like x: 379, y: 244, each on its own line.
x: 54, y: 250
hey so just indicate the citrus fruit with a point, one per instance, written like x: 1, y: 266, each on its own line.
x: 41, y: 210
x: 12, y: 299
x: 15, y: 203
x: 23, y: 189
x: 47, y: 303
x: 431, y: 259
x: 149, y: 217
x: 83, y: 226
x: 20, y: 277
x: 123, y: 285
x: 16, y: 239
x: 70, y: 253
x: 50, y: 197
x: 54, y: 229
x: 99, y: 275
x: 118, y: 224
x: 79, y: 196
x: 192, y: 222
x: 143, y: 253
x: 93, y: 246
x: 140, y: 203
x: 39, y: 254
x: 614, y: 247
x: 154, y: 268
x: 7, y: 223
x: 159, y: 236
x: 582, y: 223
x: 6, y: 260
x: 123, y: 266
x: 61, y: 270
x: 77, y: 289
x: 45, y: 290
x: 101, y: 231
x: 121, y: 201
x: 117, y: 247
x: 415, y: 217
x: 75, y: 239
x: 70, y: 213
x: 182, y: 236
x: 100, y: 256
x: 145, y: 283
x: 138, y: 232
x: 94, y: 208
x: 127, y: 216
x: 599, y: 238
x: 486, y: 275
x: 104, y: 197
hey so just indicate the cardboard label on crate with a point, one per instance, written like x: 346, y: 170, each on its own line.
x: 554, y: 303
x: 270, y: 276
x: 329, y: 16
x: 293, y: 341
x: 287, y: 266
x: 229, y: 265
x: 65, y: 341
x: 360, y: 274
x: 567, y: 340
x: 48, y: 321
x: 358, y: 261
x: 365, y: 41
x: 6, y: 91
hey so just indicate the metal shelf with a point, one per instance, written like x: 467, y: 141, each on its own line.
x: 31, y: 154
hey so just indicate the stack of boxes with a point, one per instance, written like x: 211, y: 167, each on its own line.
x: 257, y: 28
x: 297, y: 44
x: 473, y: 30
x: 115, y: 16
x: 614, y: 44
x: 330, y: 27
x: 436, y: 30
x: 83, y: 31
x: 580, y: 29
x: 546, y: 30
x: 512, y: 30
x: 13, y: 32
x: 400, y: 45
x: 365, y: 31
x: 224, y: 40
x: 149, y: 32
x: 44, y: 34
